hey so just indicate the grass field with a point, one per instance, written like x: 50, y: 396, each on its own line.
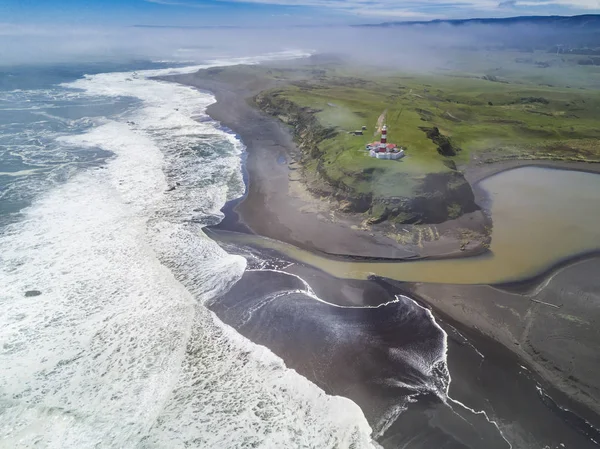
x: 513, y: 116
x: 489, y: 106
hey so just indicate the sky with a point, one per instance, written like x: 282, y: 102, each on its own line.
x: 49, y: 31
x: 269, y: 12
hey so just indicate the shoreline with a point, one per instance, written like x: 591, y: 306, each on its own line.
x: 514, y: 316
x: 508, y: 318
x: 277, y: 203
x: 476, y: 173
x: 233, y: 223
x: 522, y: 322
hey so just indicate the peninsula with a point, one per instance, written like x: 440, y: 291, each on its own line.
x: 307, y: 125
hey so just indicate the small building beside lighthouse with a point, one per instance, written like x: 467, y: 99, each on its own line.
x: 383, y: 149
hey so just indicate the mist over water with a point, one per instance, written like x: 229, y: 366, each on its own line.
x: 418, y: 47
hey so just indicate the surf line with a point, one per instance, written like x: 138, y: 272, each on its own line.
x: 466, y: 341
x: 310, y: 293
x: 447, y: 392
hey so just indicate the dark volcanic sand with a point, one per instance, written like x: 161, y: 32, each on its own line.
x: 560, y: 344
x: 386, y: 359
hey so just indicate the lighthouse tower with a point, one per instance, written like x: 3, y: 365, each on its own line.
x: 383, y: 141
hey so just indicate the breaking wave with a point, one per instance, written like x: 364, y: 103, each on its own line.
x: 107, y: 339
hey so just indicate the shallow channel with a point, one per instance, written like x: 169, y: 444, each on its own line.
x: 541, y: 216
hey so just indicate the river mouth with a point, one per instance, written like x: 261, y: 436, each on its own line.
x: 541, y: 217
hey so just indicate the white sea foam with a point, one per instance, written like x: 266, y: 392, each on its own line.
x: 118, y: 349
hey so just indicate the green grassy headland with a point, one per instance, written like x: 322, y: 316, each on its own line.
x: 522, y: 111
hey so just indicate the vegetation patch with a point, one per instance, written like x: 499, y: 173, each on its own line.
x: 530, y: 100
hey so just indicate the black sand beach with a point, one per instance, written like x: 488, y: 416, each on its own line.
x: 391, y: 359
x: 531, y: 349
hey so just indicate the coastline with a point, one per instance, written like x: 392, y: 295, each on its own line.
x: 559, y: 344
x: 514, y: 316
x: 277, y: 203
x: 273, y: 209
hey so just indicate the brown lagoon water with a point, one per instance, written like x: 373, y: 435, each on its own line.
x: 541, y: 216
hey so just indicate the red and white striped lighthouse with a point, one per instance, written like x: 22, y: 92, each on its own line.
x: 384, y: 134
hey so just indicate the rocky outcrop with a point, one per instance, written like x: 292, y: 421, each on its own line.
x: 307, y: 130
x: 444, y: 196
x: 444, y: 145
x: 308, y: 133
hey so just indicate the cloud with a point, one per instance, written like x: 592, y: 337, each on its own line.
x: 35, y: 30
x: 405, y: 9
x: 578, y: 4
x: 422, y: 48
x: 412, y: 7
x: 374, y: 8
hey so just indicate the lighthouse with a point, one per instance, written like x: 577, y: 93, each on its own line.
x: 384, y: 135
x: 383, y: 149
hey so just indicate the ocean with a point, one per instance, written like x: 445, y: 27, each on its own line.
x: 107, y: 179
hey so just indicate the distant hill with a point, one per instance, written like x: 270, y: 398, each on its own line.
x: 575, y: 34
x: 591, y: 21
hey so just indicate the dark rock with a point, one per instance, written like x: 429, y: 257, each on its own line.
x: 445, y: 146
x: 440, y: 190
x: 449, y: 163
x: 32, y: 293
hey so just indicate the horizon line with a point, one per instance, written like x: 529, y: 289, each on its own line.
x: 395, y: 22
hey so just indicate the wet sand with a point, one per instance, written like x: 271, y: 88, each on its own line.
x: 542, y: 218
x: 560, y: 344
x: 387, y: 359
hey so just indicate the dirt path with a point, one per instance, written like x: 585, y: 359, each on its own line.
x: 380, y: 122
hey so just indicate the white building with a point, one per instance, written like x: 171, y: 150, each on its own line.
x: 384, y: 150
